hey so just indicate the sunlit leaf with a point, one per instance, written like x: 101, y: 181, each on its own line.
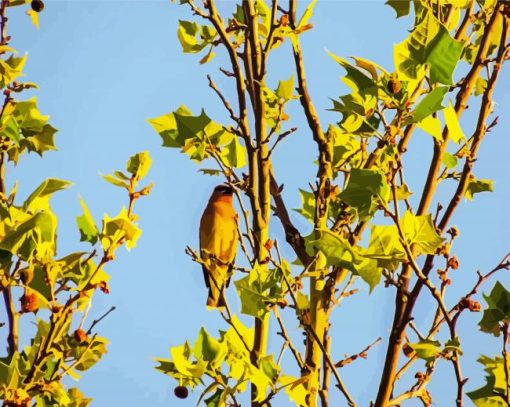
x: 429, y: 104
x: 365, y: 190
x: 421, y: 232
x: 449, y: 160
x: 489, y: 395
x: 452, y: 122
x: 401, y: 7
x: 475, y: 186
x: 139, y: 164
x: 285, y: 89
x: 86, y: 225
x: 498, y: 310
x: 427, y: 349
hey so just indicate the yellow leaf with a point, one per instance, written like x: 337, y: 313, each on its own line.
x: 432, y: 126
x: 34, y: 17
x: 452, y: 122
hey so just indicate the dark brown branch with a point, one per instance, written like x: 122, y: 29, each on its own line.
x: 288, y: 341
x: 292, y: 235
x: 97, y: 321
x: 480, y: 131
x: 12, y: 317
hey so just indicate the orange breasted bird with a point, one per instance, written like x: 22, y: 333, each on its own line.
x: 218, y: 243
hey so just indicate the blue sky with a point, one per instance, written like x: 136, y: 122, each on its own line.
x: 104, y: 67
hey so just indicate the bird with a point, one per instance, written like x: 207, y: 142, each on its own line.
x: 218, y: 243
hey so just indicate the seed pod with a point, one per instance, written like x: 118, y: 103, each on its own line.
x: 394, y: 86
x: 29, y: 302
x: 26, y: 275
x: 37, y: 5
x: 181, y: 392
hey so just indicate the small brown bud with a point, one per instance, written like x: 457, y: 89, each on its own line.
x: 453, y: 263
x: 443, y: 250
x: 103, y: 286
x: 268, y: 245
x: 453, y: 232
x: 472, y: 305
x: 80, y: 335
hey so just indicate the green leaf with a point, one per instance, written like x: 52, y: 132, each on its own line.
x: 194, y: 37
x: 308, y: 205
x: 358, y: 106
x: 285, y: 89
x: 234, y: 154
x: 498, y: 310
x: 453, y: 345
x: 429, y: 44
x: 166, y: 127
x: 480, y: 86
x: 452, y: 122
x: 86, y: 225
x: 189, y: 126
x: 41, y: 285
x: 339, y: 252
x: 252, y: 291
x: 114, y: 180
x: 210, y: 171
x: 139, y: 164
x: 119, y: 229
x: 90, y: 353
x: 209, y: 349
x: 443, y: 55
x: 489, y: 395
x: 475, y: 186
x: 421, y: 232
x: 401, y: 7
x: 29, y: 119
x: 10, y: 69
x: 427, y: 349
x: 449, y: 160
x: 39, y: 199
x: 429, y: 104
x: 365, y: 190
x: 38, y: 232
x: 215, y: 399
x: 77, y: 398
x: 40, y: 142
x: 385, y: 246
x: 186, y: 371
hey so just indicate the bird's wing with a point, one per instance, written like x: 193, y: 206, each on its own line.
x: 206, y: 237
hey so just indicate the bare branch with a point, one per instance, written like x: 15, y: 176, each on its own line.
x: 363, y: 354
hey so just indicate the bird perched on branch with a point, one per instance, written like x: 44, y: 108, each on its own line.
x: 218, y: 243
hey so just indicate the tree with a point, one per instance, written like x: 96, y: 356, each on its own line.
x: 51, y: 292
x: 453, y: 55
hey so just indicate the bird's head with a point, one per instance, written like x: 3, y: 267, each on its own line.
x: 222, y: 193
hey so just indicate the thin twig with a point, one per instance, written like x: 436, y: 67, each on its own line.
x: 362, y: 354
x: 97, y: 321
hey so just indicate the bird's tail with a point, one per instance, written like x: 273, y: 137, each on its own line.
x: 215, y: 299
x: 216, y: 275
